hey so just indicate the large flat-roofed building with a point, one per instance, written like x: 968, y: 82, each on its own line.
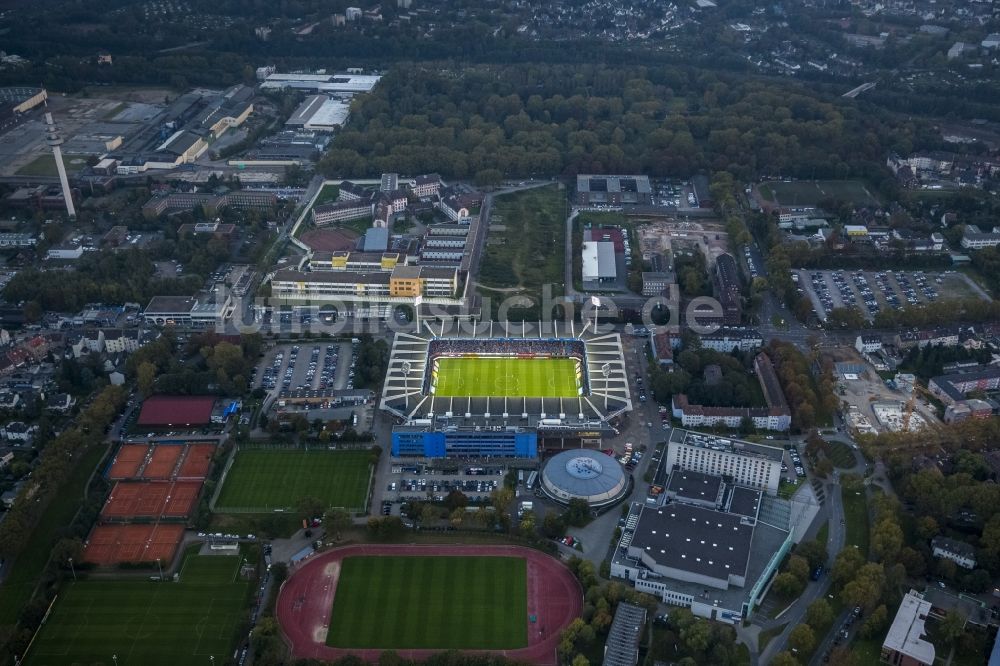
x: 341, y: 211
x: 695, y: 488
x: 323, y: 83
x: 905, y: 644
x: 974, y: 238
x: 594, y: 190
x: 402, y: 283
x: 187, y: 311
x: 320, y: 113
x: 716, y: 562
x: 747, y: 463
x: 599, y: 262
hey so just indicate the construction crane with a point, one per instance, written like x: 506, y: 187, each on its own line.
x: 911, y: 403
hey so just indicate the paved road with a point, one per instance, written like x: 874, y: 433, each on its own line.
x: 795, y: 615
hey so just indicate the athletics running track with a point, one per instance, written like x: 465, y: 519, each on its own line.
x: 305, y: 599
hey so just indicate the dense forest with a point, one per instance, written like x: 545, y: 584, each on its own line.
x: 555, y: 119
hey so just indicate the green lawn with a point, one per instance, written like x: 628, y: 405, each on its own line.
x: 529, y: 253
x: 856, y: 519
x: 841, y: 455
x: 270, y: 479
x: 501, y: 377
x: 430, y: 602
x: 812, y: 192
x: 45, y: 165
x: 327, y: 194
x: 28, y: 565
x: 149, y: 623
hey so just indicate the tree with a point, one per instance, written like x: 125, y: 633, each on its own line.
x: 784, y: 659
x: 310, y: 507
x: 456, y: 499
x: 819, y: 614
x: 951, y: 627
x: 798, y: 566
x: 145, y: 375
x: 577, y: 512
x: 802, y: 638
x: 66, y: 550
x: 875, y: 622
x: 580, y: 660
x: 335, y: 521
x: 788, y: 585
x: 429, y: 514
x: 553, y: 525
x: 813, y: 551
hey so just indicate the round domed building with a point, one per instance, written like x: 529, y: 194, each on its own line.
x: 582, y: 474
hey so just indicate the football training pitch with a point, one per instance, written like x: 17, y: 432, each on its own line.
x: 149, y: 623
x: 507, y: 377
x: 452, y: 602
x: 812, y: 192
x: 268, y: 479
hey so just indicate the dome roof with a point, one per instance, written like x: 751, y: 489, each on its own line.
x: 581, y: 474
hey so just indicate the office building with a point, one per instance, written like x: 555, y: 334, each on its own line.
x: 906, y: 643
x: 746, y: 463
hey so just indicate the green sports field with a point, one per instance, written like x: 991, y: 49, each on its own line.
x: 430, y: 602
x: 507, y: 377
x: 143, y: 622
x: 270, y: 479
x: 812, y: 192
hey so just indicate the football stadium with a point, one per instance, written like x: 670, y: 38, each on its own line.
x: 503, y: 389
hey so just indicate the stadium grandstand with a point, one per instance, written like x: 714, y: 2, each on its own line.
x: 503, y: 389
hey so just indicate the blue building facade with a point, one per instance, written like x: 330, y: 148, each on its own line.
x: 429, y: 443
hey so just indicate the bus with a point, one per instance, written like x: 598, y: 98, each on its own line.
x: 520, y: 476
x: 532, y: 478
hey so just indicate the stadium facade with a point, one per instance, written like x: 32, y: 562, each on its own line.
x: 499, y: 420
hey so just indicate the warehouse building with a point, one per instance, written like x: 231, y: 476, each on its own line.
x: 599, y: 262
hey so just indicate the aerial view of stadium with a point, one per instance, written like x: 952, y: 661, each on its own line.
x: 521, y: 382
x: 502, y: 367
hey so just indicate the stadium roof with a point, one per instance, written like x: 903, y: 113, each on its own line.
x: 406, y: 390
x: 162, y: 410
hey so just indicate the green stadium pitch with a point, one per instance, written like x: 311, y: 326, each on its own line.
x: 506, y: 377
x: 414, y: 602
x: 262, y: 480
x: 149, y: 623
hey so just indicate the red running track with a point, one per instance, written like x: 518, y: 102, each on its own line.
x: 306, y: 598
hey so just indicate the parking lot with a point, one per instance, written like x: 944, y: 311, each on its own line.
x: 874, y: 291
x: 307, y: 366
x: 417, y: 482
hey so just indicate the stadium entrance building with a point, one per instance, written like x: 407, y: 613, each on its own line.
x: 501, y: 389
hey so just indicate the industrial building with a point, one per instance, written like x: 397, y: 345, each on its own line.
x: 350, y: 84
x: 594, y: 190
x: 320, y: 113
x: 746, y: 463
x: 599, y: 262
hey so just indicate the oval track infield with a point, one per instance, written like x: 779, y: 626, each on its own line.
x: 306, y: 599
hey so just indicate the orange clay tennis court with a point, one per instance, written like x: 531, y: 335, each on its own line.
x: 151, y: 499
x: 110, y: 544
x: 128, y: 461
x: 163, y: 462
x: 197, y: 461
